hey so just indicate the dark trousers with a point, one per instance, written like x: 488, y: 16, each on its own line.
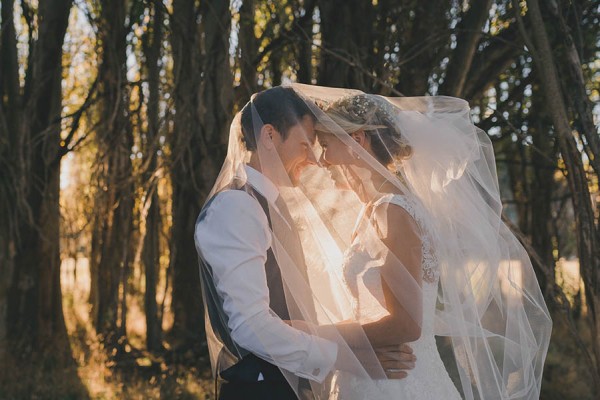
x: 240, y: 382
x: 263, y: 390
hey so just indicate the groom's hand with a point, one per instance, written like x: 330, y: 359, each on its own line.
x: 396, y: 360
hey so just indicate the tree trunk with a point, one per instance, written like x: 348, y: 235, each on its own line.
x: 575, y: 85
x: 305, y: 43
x: 587, y: 239
x: 217, y: 88
x: 185, y: 159
x: 275, y: 67
x: 422, y: 46
x: 7, y: 226
x: 114, y: 202
x: 199, y: 143
x: 345, y: 35
x: 10, y: 195
x: 470, y: 29
x: 518, y: 182
x: 542, y: 193
x: 151, y: 246
x: 9, y: 75
x: 248, y: 53
x: 35, y: 301
x: 492, y: 61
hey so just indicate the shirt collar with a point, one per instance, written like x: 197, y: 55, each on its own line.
x: 262, y: 184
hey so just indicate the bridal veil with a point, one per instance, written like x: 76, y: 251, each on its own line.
x: 489, y: 316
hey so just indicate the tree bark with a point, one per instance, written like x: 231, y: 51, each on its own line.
x: 35, y: 301
x: 151, y: 246
x: 248, y: 48
x: 203, y: 100
x: 578, y: 98
x: 422, y: 46
x: 587, y: 239
x: 7, y: 228
x: 9, y: 157
x: 345, y: 34
x: 185, y: 155
x: 492, y: 61
x: 114, y: 202
x: 305, y: 39
x: 470, y: 29
x: 9, y: 75
x: 542, y: 192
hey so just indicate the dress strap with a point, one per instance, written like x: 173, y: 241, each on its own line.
x: 399, y: 200
x: 430, y: 263
x: 357, y: 223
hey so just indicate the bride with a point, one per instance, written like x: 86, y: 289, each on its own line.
x: 428, y: 254
x: 398, y: 221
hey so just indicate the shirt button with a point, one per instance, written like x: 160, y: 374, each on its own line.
x: 316, y: 371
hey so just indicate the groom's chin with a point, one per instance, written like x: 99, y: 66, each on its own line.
x: 294, y: 176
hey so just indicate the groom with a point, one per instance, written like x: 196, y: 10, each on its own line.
x: 243, y: 288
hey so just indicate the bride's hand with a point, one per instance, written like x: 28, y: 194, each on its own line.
x: 396, y: 360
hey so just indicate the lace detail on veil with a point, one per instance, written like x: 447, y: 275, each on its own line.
x: 429, y: 264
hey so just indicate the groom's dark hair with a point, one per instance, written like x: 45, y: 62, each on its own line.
x: 278, y: 106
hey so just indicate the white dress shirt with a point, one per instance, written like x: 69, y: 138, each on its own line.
x: 234, y: 238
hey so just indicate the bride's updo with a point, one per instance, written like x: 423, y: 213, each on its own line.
x: 377, y: 117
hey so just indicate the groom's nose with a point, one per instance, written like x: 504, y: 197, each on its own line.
x: 323, y: 162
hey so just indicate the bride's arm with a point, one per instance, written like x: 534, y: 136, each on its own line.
x: 402, y: 269
x: 401, y: 279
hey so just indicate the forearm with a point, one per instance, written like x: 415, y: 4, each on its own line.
x: 387, y: 331
x: 233, y: 238
x: 392, y: 330
x: 292, y: 349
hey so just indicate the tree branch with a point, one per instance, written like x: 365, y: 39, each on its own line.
x: 462, y: 56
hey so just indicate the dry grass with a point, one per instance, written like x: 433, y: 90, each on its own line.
x: 566, y: 375
x: 94, y: 374
x: 93, y: 378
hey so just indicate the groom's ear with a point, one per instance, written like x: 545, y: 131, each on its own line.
x: 267, y: 133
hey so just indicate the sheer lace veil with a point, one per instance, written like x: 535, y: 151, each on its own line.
x: 487, y: 305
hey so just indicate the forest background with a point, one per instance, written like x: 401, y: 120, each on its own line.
x: 114, y: 117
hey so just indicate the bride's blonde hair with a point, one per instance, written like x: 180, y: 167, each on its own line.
x: 376, y: 116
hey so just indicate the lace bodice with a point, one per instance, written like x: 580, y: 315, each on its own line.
x: 429, y: 379
x: 362, y: 276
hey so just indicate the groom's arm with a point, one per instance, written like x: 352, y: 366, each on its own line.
x: 234, y: 238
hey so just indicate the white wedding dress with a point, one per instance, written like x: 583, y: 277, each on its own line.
x: 429, y: 379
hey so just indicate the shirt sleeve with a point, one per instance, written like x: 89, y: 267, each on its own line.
x: 234, y: 238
